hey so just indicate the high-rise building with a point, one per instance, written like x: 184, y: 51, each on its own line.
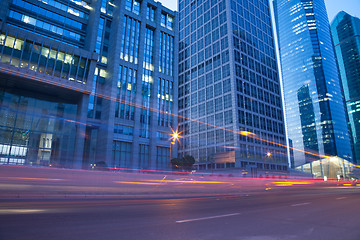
x: 229, y: 90
x: 314, y: 103
x: 346, y: 36
x: 87, y: 81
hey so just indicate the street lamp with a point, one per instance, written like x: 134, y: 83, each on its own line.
x: 171, y: 143
x: 174, y: 137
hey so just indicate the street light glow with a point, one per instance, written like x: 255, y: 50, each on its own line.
x: 175, y: 136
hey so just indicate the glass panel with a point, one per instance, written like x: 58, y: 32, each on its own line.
x: 35, y: 56
x: 81, y: 69
x: 43, y: 58
x: 26, y: 54
x: 66, y: 66
x: 74, y: 66
x: 17, y: 52
x: 9, y: 44
x: 59, y: 62
x: 2, y: 41
x: 51, y: 62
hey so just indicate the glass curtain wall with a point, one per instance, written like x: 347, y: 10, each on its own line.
x: 36, y: 131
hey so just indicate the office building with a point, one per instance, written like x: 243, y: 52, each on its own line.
x: 345, y: 31
x: 314, y: 103
x: 87, y: 81
x: 229, y: 90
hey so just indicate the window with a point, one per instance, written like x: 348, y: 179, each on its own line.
x: 162, y: 158
x: 150, y: 13
x: 227, y: 101
x: 129, y: 49
x: 133, y: 6
x: 121, y: 154
x: 167, y: 21
x: 144, y: 156
x: 123, y: 130
x: 166, y: 56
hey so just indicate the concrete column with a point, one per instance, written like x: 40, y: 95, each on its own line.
x: 80, y: 132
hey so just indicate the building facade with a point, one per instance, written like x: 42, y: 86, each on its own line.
x: 229, y: 90
x: 314, y: 103
x: 345, y: 31
x: 87, y: 81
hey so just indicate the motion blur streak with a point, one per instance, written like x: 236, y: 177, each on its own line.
x: 37, y: 179
x: 186, y: 181
x: 143, y: 183
x: 20, y: 211
x: 288, y: 184
x: 245, y: 133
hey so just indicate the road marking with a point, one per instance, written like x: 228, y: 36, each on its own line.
x: 300, y: 204
x: 341, y: 198
x: 205, y: 218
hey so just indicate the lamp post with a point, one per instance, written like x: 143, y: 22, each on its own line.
x: 174, y: 137
x: 171, y: 143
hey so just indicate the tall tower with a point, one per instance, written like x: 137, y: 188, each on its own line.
x: 229, y: 92
x: 346, y: 35
x: 87, y: 81
x: 314, y: 103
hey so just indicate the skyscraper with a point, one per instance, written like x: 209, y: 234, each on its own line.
x: 346, y: 35
x: 87, y: 81
x: 314, y: 103
x: 229, y: 92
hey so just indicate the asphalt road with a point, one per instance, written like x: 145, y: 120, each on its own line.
x: 283, y: 213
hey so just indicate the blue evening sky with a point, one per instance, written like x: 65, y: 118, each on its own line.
x: 333, y: 7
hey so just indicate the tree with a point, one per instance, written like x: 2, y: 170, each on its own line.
x: 188, y: 162
x: 175, y: 162
x: 184, y: 163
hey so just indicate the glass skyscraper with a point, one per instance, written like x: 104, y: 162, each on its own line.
x: 87, y: 81
x: 346, y: 35
x: 314, y: 103
x: 229, y: 90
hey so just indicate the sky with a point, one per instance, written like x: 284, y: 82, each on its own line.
x: 333, y: 7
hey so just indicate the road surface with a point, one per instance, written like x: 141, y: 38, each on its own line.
x: 281, y: 213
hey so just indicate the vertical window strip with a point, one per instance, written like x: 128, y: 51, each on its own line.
x: 127, y: 42
x: 137, y: 41
x: 163, y: 53
x: 160, y: 50
x: 130, y: 40
x: 166, y: 54
x: 123, y: 39
x: 147, y: 82
x: 99, y: 35
x: 126, y: 93
x: 165, y: 98
x: 171, y: 56
x: 132, y: 45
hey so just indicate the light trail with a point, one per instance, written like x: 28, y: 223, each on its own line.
x: 137, y: 183
x: 289, y: 184
x: 36, y: 179
x: 186, y: 181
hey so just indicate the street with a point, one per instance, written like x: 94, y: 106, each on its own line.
x: 281, y: 213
